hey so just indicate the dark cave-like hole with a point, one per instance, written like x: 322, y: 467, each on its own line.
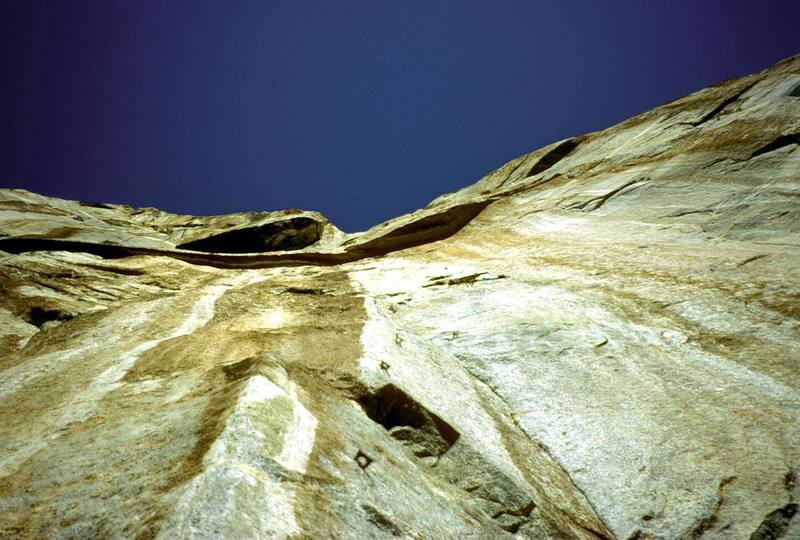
x: 398, y: 412
x: 553, y: 156
x: 290, y: 234
x: 37, y: 316
x: 391, y: 407
x: 795, y: 92
x: 96, y: 205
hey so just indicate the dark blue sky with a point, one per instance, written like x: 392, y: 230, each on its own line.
x: 361, y: 110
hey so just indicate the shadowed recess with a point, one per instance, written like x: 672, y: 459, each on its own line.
x: 295, y: 233
x: 407, y: 421
x: 780, y: 142
x: 554, y: 156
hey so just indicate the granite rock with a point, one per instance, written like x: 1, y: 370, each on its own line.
x: 600, y: 339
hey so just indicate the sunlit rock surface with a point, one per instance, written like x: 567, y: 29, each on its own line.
x: 598, y: 340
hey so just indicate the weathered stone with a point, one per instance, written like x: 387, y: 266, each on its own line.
x: 600, y: 339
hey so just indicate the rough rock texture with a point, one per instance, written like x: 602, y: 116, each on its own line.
x: 598, y: 340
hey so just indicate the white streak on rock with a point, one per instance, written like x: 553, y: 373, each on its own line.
x: 299, y: 439
x: 255, y: 506
x: 84, y: 404
x: 233, y: 471
x: 81, y: 406
x: 259, y: 388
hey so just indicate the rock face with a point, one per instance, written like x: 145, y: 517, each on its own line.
x: 600, y: 339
